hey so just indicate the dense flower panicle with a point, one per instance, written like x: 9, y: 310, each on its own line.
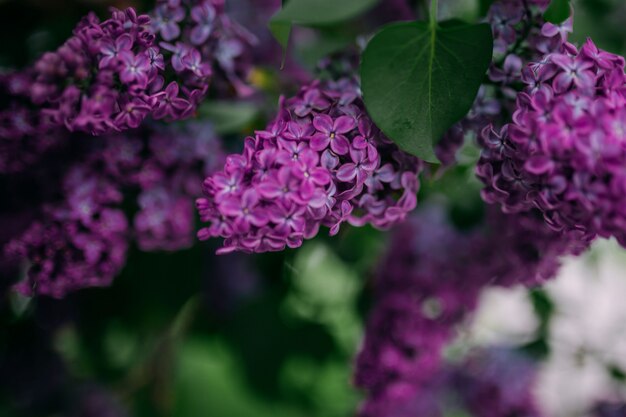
x: 430, y: 281
x: 521, y: 249
x: 521, y: 35
x: 111, y: 75
x: 81, y: 240
x: 423, y: 289
x: 322, y: 162
x: 564, y: 152
x: 169, y: 181
x: 25, y: 135
x: 81, y: 243
x: 203, y: 41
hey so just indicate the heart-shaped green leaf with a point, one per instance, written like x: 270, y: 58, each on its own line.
x: 313, y: 13
x: 484, y: 6
x: 418, y: 79
x: 558, y: 11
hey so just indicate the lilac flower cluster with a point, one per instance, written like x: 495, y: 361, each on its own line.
x: 81, y: 240
x: 423, y: 290
x: 81, y: 243
x: 430, y: 281
x: 202, y: 41
x: 521, y: 35
x: 489, y: 382
x: 25, y: 135
x: 322, y: 162
x: 111, y: 75
x: 521, y: 249
x: 564, y: 151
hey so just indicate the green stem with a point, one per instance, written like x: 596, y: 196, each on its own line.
x: 433, y: 13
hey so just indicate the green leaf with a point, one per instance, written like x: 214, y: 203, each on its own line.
x: 228, y: 116
x: 418, y: 79
x: 313, y: 13
x: 558, y: 11
x: 483, y: 6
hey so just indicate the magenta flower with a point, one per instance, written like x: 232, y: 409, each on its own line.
x: 169, y: 104
x: 114, y: 50
x: 365, y: 139
x: 291, y: 151
x: 135, y: 69
x: 289, y: 219
x: 383, y: 175
x: 298, y: 131
x: 312, y: 100
x: 245, y: 210
x: 360, y: 168
x: 308, y: 171
x: 165, y: 21
x: 132, y: 113
x: 574, y: 71
x: 192, y: 61
x: 223, y: 184
x: 281, y: 185
x: 331, y: 132
x: 204, y: 16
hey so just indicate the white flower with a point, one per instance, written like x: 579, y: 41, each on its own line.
x: 587, y: 333
x: 505, y: 317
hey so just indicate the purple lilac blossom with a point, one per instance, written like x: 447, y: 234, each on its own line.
x: 80, y: 244
x: 24, y: 134
x: 81, y: 240
x: 321, y: 162
x: 488, y: 382
x: 422, y: 290
x: 564, y: 151
x: 202, y: 39
x: 429, y: 282
x: 113, y: 74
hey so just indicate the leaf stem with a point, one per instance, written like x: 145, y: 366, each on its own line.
x: 433, y: 13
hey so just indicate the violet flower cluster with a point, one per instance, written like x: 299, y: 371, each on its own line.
x: 422, y: 290
x: 322, y: 162
x: 489, y: 382
x: 81, y: 240
x: 81, y: 243
x: 111, y: 75
x: 564, y: 151
x: 430, y: 281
